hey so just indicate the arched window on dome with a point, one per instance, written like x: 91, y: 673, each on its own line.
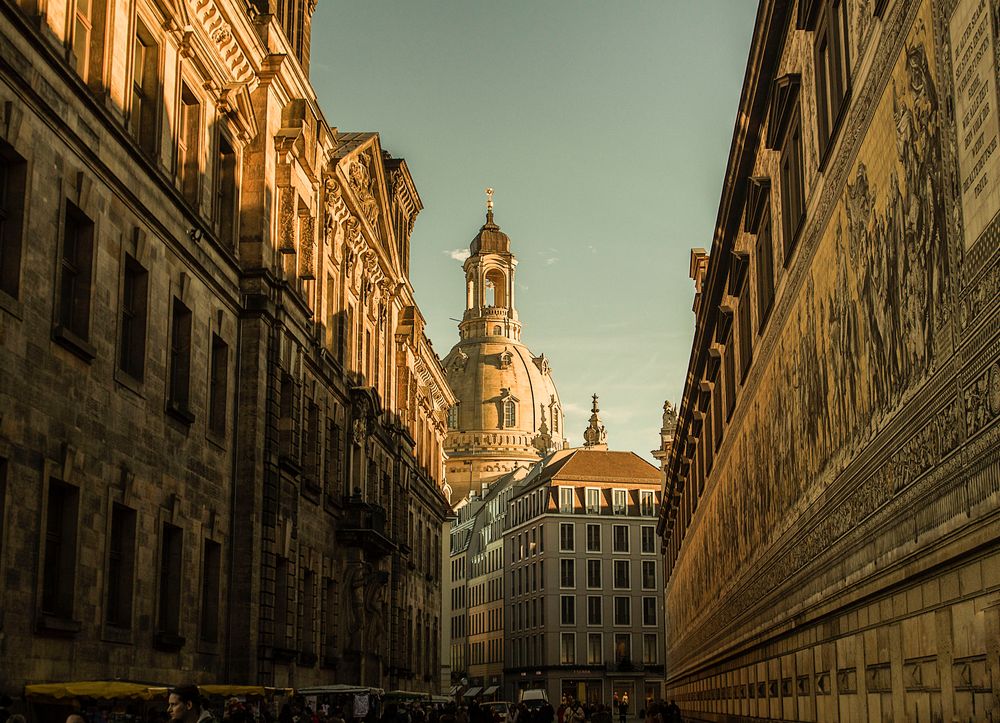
x: 497, y: 330
x: 509, y: 414
x: 555, y: 419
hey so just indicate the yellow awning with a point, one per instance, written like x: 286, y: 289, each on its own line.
x: 107, y: 690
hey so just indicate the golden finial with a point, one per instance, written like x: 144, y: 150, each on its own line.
x: 489, y: 199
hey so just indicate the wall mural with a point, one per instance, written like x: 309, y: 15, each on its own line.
x: 861, y: 337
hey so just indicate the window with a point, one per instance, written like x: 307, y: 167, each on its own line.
x: 623, y: 610
x: 567, y: 649
x: 745, y: 332
x: 567, y: 607
x: 227, y: 194
x: 566, y: 495
x: 171, y: 566
x: 332, y: 456
x: 594, y: 610
x: 453, y: 417
x: 595, y: 654
x: 281, y: 602
x: 648, y: 574
x: 619, y: 502
x: 622, y: 579
x: 219, y: 389
x: 566, y: 535
x: 132, y: 354
x: 180, y: 360
x: 793, y: 195
x: 765, y: 270
x: 509, y: 414
x: 593, y: 538
x: 75, y: 273
x: 145, y: 88
x: 330, y: 609
x: 647, y: 534
x: 646, y: 503
x: 619, y: 538
x: 730, y: 370
x: 594, y: 573
x: 189, y: 145
x: 832, y: 71
x: 649, y: 611
x: 649, y: 649
x: 13, y: 182
x: 307, y: 622
x: 59, y: 567
x: 211, y: 573
x: 623, y: 647
x: 567, y: 573
x: 593, y: 501
x: 121, y: 567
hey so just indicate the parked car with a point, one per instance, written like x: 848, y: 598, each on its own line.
x: 499, y: 708
x: 534, y: 698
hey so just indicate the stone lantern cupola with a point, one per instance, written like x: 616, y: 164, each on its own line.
x: 595, y: 436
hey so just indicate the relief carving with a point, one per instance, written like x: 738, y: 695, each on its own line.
x: 286, y: 220
x: 359, y: 173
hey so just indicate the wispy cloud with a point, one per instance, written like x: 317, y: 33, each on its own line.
x: 551, y: 260
x: 460, y: 255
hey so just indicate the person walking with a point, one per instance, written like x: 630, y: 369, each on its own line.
x: 623, y: 708
x: 184, y: 706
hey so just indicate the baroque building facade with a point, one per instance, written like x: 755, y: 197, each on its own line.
x: 507, y: 412
x: 831, y: 517
x: 221, y: 422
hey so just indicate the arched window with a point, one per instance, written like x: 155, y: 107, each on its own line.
x: 555, y: 419
x: 509, y: 413
x: 497, y: 331
x: 496, y: 288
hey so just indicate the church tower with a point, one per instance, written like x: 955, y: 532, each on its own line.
x: 508, y: 412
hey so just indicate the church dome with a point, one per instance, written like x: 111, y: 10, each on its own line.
x: 508, y: 412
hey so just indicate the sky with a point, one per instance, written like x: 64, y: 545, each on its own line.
x: 604, y: 128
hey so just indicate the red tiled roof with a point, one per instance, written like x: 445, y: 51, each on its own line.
x: 604, y: 466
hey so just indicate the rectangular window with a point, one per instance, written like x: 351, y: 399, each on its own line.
x: 211, y: 574
x: 566, y: 537
x: 332, y: 457
x: 647, y: 506
x: 594, y: 574
x: 730, y: 367
x: 307, y: 620
x: 180, y: 359
x: 593, y: 538
x: 595, y: 610
x: 59, y: 567
x: 566, y: 495
x: 649, y: 611
x: 189, y: 146
x: 145, y: 88
x: 281, y: 602
x: 832, y: 72
x: 765, y: 270
x: 331, y: 607
x: 227, y: 193
x: 793, y: 195
x: 649, y: 649
x: 648, y: 537
x: 567, y: 573
x: 82, y: 28
x: 595, y: 654
x: 619, y: 538
x: 619, y: 502
x: 171, y: 566
x: 567, y: 649
x: 623, y: 648
x: 13, y: 187
x: 132, y: 353
x: 75, y: 273
x: 593, y: 501
x: 567, y: 607
x: 622, y: 579
x: 218, y: 406
x: 745, y: 332
x: 121, y: 567
x: 623, y: 610
x: 648, y: 574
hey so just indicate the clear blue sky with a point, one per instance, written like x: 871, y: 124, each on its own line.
x: 604, y: 128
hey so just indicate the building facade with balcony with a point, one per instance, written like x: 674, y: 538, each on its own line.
x: 221, y: 422
x: 831, y: 518
x: 583, y: 578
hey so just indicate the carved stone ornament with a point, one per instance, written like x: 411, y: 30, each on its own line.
x: 307, y: 249
x: 359, y: 430
x: 286, y: 221
x: 360, y: 177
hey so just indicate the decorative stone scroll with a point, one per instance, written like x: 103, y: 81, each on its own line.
x: 287, y: 201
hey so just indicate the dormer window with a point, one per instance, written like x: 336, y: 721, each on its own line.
x: 505, y: 358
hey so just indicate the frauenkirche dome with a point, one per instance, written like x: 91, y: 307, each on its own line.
x: 508, y: 413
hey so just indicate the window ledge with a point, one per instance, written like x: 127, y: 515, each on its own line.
x: 57, y: 625
x: 128, y: 381
x: 66, y: 338
x: 11, y: 305
x: 168, y: 641
x: 181, y: 414
x: 115, y: 634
